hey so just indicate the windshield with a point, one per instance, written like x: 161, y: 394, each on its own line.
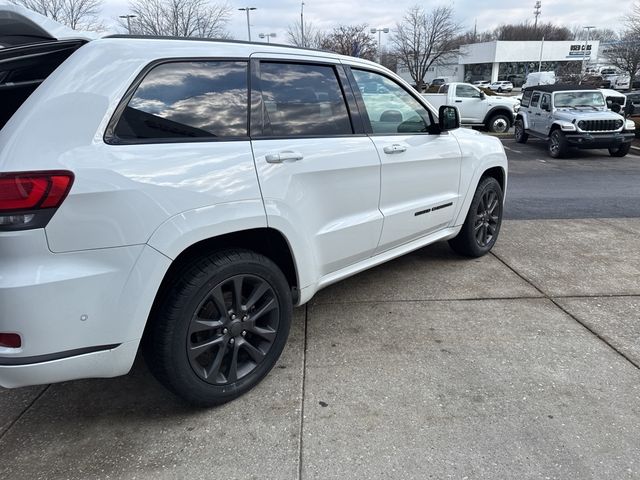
x: 578, y: 99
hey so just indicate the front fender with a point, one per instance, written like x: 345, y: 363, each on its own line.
x: 525, y: 121
x: 498, y: 109
x: 479, y: 154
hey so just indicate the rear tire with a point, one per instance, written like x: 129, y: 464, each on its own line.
x: 482, y: 225
x: 557, y: 146
x: 620, y: 151
x: 220, y: 327
x: 520, y: 134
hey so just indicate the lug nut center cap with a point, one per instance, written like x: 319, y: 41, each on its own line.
x: 235, y: 328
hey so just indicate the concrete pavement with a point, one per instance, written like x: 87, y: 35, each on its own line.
x: 521, y: 364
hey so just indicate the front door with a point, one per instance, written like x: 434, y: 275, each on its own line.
x: 316, y: 174
x: 470, y: 104
x: 420, y: 171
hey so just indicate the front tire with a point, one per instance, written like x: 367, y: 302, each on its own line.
x: 520, y: 134
x: 620, y: 151
x: 220, y: 327
x: 557, y: 145
x: 482, y: 225
x: 499, y: 123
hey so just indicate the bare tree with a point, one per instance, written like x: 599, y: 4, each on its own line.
x: 624, y: 54
x: 313, y: 38
x: 529, y: 31
x: 601, y: 34
x: 354, y: 40
x: 424, y: 38
x: 179, y: 18
x: 77, y: 14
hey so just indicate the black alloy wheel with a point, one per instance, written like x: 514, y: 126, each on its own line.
x: 481, y: 227
x: 233, y: 328
x: 487, y: 218
x: 219, y: 326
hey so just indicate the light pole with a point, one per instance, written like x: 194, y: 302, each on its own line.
x: 128, y: 17
x: 584, y: 53
x: 248, y: 9
x: 302, y: 23
x: 268, y: 36
x: 379, y: 31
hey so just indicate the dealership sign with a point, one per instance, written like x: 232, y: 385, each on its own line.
x: 579, y: 51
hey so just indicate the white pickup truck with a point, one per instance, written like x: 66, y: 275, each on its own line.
x: 495, y: 112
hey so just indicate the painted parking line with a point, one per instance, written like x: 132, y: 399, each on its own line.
x: 512, y: 149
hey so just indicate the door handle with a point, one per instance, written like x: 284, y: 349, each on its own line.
x: 458, y: 101
x: 538, y: 114
x: 395, y: 148
x: 284, y: 156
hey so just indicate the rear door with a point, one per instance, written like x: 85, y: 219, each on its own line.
x: 420, y: 171
x: 318, y: 172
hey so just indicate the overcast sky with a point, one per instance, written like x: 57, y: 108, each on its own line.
x: 276, y: 15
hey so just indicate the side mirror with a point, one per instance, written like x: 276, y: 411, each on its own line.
x: 448, y: 118
x: 482, y: 95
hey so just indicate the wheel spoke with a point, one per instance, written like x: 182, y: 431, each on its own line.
x: 267, y: 333
x: 257, y: 294
x: 218, y: 298
x: 214, y: 369
x: 233, y: 366
x: 237, y: 292
x: 195, y: 350
x: 256, y: 354
x: 201, y: 325
x: 267, y: 307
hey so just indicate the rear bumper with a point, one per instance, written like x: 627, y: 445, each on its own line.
x: 599, y: 140
x: 79, y: 314
x: 99, y: 364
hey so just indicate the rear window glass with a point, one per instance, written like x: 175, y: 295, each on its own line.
x: 186, y: 100
x: 302, y: 99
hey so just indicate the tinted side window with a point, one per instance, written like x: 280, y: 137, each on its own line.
x: 465, y: 91
x: 185, y: 100
x: 526, y: 97
x: 302, y: 99
x: 534, y: 99
x: 395, y: 111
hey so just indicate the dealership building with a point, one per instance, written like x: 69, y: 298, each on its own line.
x: 510, y: 60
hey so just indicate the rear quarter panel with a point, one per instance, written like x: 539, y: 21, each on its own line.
x: 122, y: 193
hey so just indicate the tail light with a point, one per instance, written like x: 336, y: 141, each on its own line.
x: 29, y: 199
x: 10, y: 340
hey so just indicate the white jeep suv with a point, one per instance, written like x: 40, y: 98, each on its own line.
x: 184, y: 195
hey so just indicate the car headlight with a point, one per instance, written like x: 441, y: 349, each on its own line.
x: 581, y: 124
x: 619, y: 124
x: 629, y: 125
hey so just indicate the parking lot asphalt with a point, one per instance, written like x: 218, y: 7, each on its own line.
x: 587, y: 184
x: 522, y: 364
